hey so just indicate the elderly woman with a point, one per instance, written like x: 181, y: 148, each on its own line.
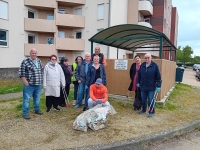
x: 133, y: 76
x: 68, y: 73
x: 53, y: 79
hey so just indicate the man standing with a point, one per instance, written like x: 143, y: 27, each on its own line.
x: 80, y: 74
x: 98, y: 94
x: 102, y: 59
x: 149, y: 80
x: 31, y: 74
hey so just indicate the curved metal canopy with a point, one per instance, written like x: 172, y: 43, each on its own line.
x: 131, y: 37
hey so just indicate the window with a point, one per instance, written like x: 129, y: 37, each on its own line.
x: 31, y: 14
x: 61, y: 34
x: 60, y: 55
x: 100, y: 14
x: 78, y: 11
x: 3, y: 38
x: 78, y: 35
x: 31, y: 39
x: 50, y: 17
x: 50, y: 40
x: 147, y: 20
x: 61, y: 11
x: 3, y: 10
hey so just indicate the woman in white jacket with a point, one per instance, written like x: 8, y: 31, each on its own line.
x: 53, y: 79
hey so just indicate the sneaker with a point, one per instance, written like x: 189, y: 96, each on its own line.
x: 38, y: 112
x: 84, y: 109
x: 150, y: 115
x: 141, y: 112
x: 48, y: 109
x: 26, y: 117
x: 56, y: 109
x: 77, y: 106
x: 63, y: 105
x: 74, y: 102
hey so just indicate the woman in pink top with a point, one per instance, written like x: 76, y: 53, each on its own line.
x: 133, y: 76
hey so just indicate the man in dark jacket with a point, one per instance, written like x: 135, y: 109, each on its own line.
x: 149, y: 80
x: 102, y: 59
x: 80, y: 75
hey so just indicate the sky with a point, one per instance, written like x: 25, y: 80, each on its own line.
x: 188, y: 24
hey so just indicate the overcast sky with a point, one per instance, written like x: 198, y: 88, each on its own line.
x: 189, y: 23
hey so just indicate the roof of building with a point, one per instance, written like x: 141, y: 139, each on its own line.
x: 131, y: 36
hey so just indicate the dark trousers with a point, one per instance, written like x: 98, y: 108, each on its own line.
x: 138, y: 94
x: 75, y: 90
x: 62, y: 98
x: 51, y: 100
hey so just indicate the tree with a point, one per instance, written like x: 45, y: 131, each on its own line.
x: 185, y: 54
x: 196, y: 59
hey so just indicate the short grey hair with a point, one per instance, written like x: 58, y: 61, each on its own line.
x: 87, y: 53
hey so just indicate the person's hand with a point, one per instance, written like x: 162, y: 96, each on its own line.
x: 158, y: 89
x: 98, y: 101
x: 79, y: 81
x: 63, y: 87
x: 26, y: 83
x: 138, y: 85
x: 86, y: 87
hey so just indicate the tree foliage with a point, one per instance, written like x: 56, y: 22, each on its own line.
x: 184, y: 54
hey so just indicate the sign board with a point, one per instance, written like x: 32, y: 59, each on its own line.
x: 121, y: 64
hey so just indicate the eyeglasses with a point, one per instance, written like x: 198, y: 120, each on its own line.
x: 97, y: 49
x: 53, y: 59
x: 146, y: 57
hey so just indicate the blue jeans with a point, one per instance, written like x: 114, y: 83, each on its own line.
x: 149, y: 95
x: 75, y: 91
x: 81, y: 91
x: 28, y: 92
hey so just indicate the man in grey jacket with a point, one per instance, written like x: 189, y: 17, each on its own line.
x: 80, y: 74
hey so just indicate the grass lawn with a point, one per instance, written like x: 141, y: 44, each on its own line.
x: 53, y: 130
x: 10, y: 86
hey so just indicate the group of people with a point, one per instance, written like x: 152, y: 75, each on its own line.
x: 89, y: 78
x: 56, y: 79
x: 145, y: 79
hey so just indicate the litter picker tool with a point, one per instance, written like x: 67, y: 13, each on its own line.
x: 66, y: 97
x: 127, y: 98
x: 151, y: 107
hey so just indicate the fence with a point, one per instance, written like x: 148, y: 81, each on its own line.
x: 119, y: 80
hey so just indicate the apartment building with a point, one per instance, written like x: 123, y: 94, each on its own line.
x: 63, y: 27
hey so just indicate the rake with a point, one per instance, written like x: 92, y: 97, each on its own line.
x: 66, y: 97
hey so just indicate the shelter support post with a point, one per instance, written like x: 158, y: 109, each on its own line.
x: 117, y: 53
x: 91, y: 48
x: 161, y: 46
x: 170, y: 53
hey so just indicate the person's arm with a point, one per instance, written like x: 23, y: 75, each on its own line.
x: 104, y: 77
x: 131, y: 72
x: 22, y: 73
x: 45, y: 77
x: 139, y: 75
x: 105, y: 95
x: 77, y: 73
x: 87, y: 82
x: 62, y: 77
x: 91, y: 93
x: 104, y: 62
x: 158, y: 77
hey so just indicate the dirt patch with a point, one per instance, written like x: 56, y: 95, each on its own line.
x: 53, y: 130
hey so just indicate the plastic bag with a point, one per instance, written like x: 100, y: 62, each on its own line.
x: 94, y: 118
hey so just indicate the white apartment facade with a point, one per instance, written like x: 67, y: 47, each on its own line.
x: 62, y: 27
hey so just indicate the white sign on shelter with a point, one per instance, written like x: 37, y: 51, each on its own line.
x: 121, y: 64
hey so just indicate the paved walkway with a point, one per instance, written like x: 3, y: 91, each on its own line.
x: 10, y: 96
x: 189, y: 77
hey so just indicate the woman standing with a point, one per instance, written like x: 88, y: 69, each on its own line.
x: 68, y: 73
x: 133, y: 76
x: 75, y: 82
x: 53, y: 79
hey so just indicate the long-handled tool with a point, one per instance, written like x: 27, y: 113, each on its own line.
x: 66, y: 97
x: 151, y: 107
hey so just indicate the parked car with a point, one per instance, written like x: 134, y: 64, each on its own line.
x: 184, y: 65
x: 195, y: 66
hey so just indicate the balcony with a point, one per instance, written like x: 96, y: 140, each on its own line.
x: 70, y: 20
x: 39, y: 25
x: 40, y: 3
x: 72, y: 2
x: 146, y: 24
x: 145, y: 7
x: 42, y: 49
x: 70, y: 44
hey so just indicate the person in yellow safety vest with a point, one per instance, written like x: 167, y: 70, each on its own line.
x: 73, y: 79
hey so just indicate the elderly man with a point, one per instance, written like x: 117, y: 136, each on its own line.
x: 31, y: 74
x: 102, y: 59
x: 98, y: 94
x: 148, y: 80
x: 80, y: 75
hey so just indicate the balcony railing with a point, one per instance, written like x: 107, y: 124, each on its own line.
x: 73, y: 2
x: 145, y: 7
x: 39, y: 25
x: 42, y: 49
x: 151, y: 1
x: 70, y: 44
x: 40, y: 3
